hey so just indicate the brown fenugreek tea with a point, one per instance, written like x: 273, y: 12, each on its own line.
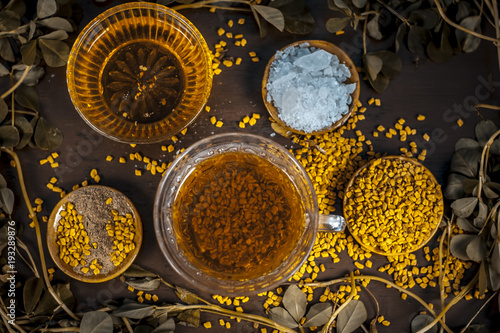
x: 237, y: 216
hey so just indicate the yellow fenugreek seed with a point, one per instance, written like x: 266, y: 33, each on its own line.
x: 460, y: 122
x: 207, y: 324
x: 219, y: 123
x: 122, y: 160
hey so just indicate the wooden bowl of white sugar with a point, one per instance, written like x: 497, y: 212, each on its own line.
x: 310, y: 87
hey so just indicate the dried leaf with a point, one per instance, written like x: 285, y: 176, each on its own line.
x: 165, y: 327
x: 476, y: 248
x: 421, y: 321
x: 9, y: 136
x: 468, y: 42
x: 495, y: 257
x: 9, y: 20
x: 444, y: 52
x: 46, y: 135
x: 464, y: 207
x: 336, y: 24
x: 33, y: 76
x: 32, y: 26
x: 186, y: 296
x: 56, y: 35
x: 351, y: 317
x: 28, y: 52
x: 427, y: 18
x: 28, y: 97
x: 417, y: 39
x: 467, y: 143
x: 470, y: 185
x: 48, y: 306
x: 57, y: 23
x: 359, y: 3
x: 466, y: 162
x: 339, y: 5
x: 484, y: 130
x: 46, y: 8
x: 373, y: 65
x: 260, y: 22
x: 495, y: 147
x: 480, y: 219
x: 17, y: 6
x: 465, y: 225
x: 381, y: 83
x: 7, y: 200
x: 300, y: 23
x: 283, y: 317
x: 373, y: 28
x: 55, y: 52
x: 478, y: 328
x: 271, y: 15
x: 458, y: 246
x: 392, y: 63
x: 400, y: 34
x: 25, y: 130
x: 295, y: 302
x: 144, y: 284
x: 3, y: 70
x: 454, y: 188
x: 96, y: 322
x: 32, y: 291
x: 3, y: 183
x: 4, y: 110
x: 190, y: 318
x: 482, y: 282
x: 134, y: 310
x: 6, y: 50
x: 136, y: 271
x: 318, y: 315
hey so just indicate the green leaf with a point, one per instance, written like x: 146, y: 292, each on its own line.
x: 351, y: 317
x: 458, y: 246
x: 464, y: 207
x: 28, y: 52
x: 4, y: 110
x: 144, y: 284
x: 186, y: 296
x: 46, y: 8
x: 476, y: 248
x: 7, y: 200
x: 381, y: 83
x: 57, y: 23
x: 56, y: 35
x: 271, y: 15
x: 391, y: 63
x: 48, y: 306
x: 260, y: 24
x: 46, y: 135
x: 427, y: 18
x: 466, y: 162
x: 454, y: 188
x: 295, y: 302
x: 25, y: 129
x: 470, y: 185
x: 283, y: 317
x: 421, y: 321
x: 28, y: 97
x: 6, y: 50
x: 465, y: 225
x: 373, y: 65
x: 300, y: 23
x: 134, y: 310
x: 33, y: 76
x: 373, y: 28
x: 96, y: 322
x: 467, y: 143
x: 165, y: 327
x: 318, y: 315
x: 9, y: 136
x: 484, y: 130
x: 55, y: 52
x: 190, y: 317
x: 417, y: 39
x: 9, y: 20
x: 489, y: 192
x: 137, y: 271
x: 468, y: 42
x: 336, y: 24
x: 495, y: 147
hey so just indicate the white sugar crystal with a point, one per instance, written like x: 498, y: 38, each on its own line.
x: 306, y: 86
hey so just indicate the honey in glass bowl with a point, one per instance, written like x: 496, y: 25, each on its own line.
x: 139, y: 73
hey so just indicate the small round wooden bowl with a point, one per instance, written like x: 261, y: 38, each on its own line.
x: 53, y: 223
x: 348, y: 219
x: 343, y: 58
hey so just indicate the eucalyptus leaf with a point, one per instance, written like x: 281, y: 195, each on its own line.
x: 28, y: 97
x: 458, y: 246
x: 336, y: 24
x: 283, y: 317
x: 165, y: 327
x: 271, y: 15
x: 421, y: 321
x: 426, y: 18
x: 28, y: 52
x: 351, y: 317
x: 466, y: 162
x: 417, y: 39
x: 340, y: 5
x: 55, y: 52
x: 468, y: 42
x: 476, y: 248
x: 465, y: 225
x: 463, y: 10
x: 373, y: 65
x: 136, y: 271
x: 295, y: 302
x: 57, y: 23
x: 134, y: 310
x: 6, y: 50
x: 144, y: 284
x: 9, y: 136
x: 373, y: 28
x: 46, y: 8
x: 480, y: 219
x: 25, y: 130
x: 4, y: 110
x: 454, y: 188
x: 400, y: 34
x: 484, y: 130
x: 186, y: 296
x: 482, y: 282
x: 464, y: 207
x: 467, y: 143
x: 318, y: 315
x: 96, y: 322
x: 190, y: 318
x: 56, y: 35
x: 46, y: 135
x: 444, y: 52
x: 9, y: 20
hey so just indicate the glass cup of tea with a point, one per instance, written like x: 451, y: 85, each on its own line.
x: 236, y: 214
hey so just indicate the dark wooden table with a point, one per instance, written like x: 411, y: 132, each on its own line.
x: 436, y: 90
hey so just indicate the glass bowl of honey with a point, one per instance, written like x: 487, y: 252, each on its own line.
x: 236, y: 214
x: 139, y: 73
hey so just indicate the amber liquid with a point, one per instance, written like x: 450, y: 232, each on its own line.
x: 142, y: 81
x: 237, y: 216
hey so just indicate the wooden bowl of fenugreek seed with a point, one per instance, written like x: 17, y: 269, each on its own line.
x: 94, y: 233
x: 393, y: 205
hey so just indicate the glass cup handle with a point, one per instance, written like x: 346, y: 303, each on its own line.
x: 331, y: 223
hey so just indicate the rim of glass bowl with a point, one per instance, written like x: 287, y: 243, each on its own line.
x: 165, y: 235
x: 70, y: 75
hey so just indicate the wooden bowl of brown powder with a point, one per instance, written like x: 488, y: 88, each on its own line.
x: 94, y: 233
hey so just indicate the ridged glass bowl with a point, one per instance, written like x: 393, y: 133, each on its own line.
x: 139, y: 73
